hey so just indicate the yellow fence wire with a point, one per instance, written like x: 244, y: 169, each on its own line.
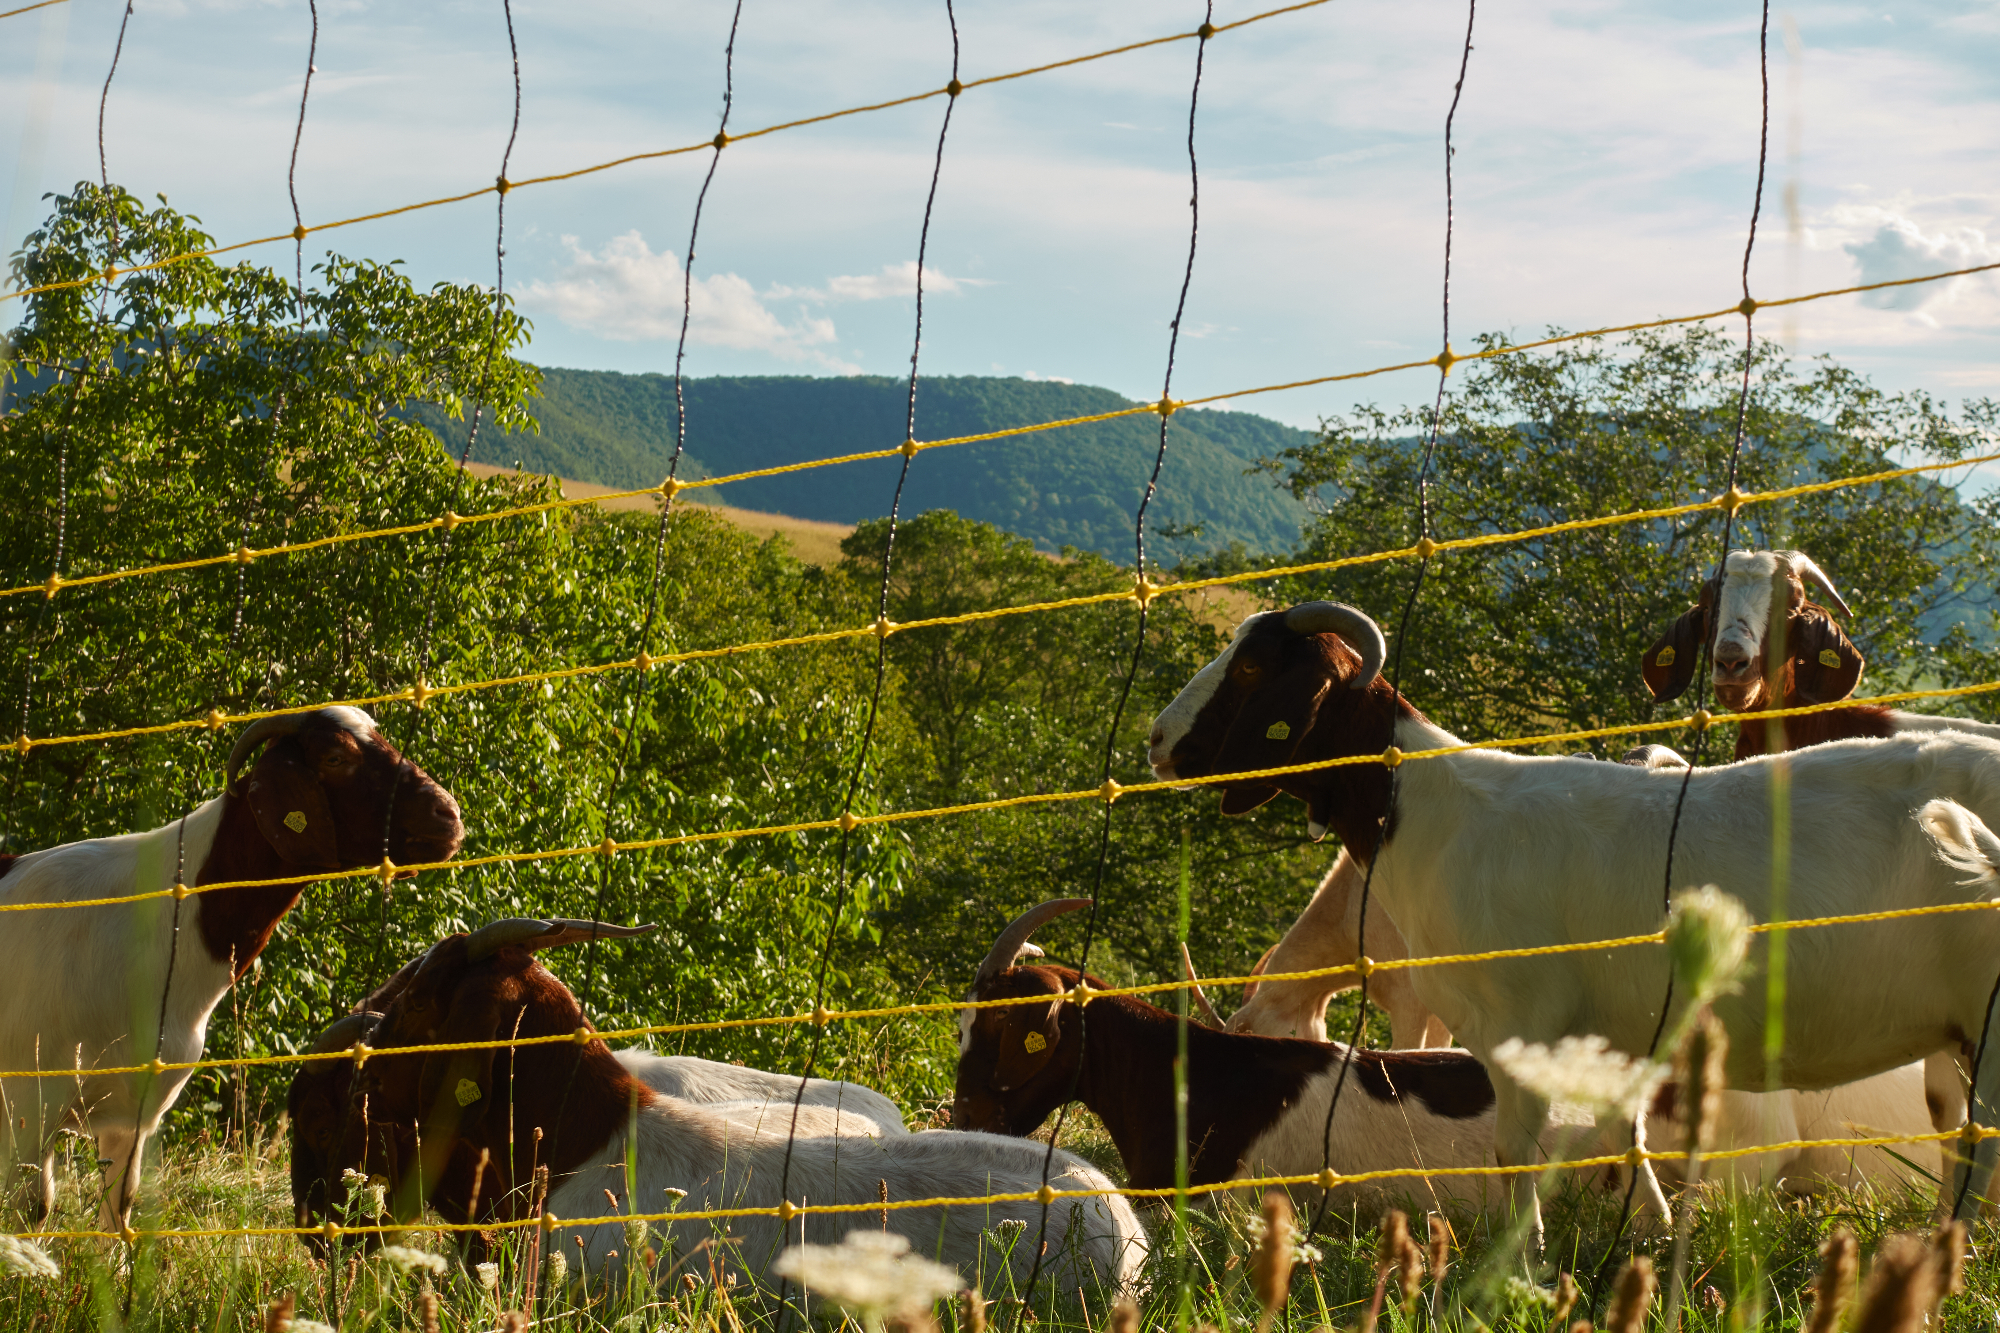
x: 669, y: 489
x: 1141, y: 591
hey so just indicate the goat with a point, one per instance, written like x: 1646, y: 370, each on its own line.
x: 1257, y: 1106
x: 575, y: 1109
x: 88, y: 987
x: 1487, y: 849
x: 317, y: 1106
x: 1821, y: 664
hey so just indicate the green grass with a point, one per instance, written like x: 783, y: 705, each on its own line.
x: 1754, y: 1257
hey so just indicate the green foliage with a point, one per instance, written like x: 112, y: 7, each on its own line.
x: 1546, y: 634
x: 1075, y: 487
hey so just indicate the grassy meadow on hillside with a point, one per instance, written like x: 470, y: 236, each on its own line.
x: 200, y: 419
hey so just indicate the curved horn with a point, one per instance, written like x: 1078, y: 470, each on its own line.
x: 263, y: 729
x: 1802, y: 565
x: 1208, y: 1013
x: 1361, y: 633
x: 534, y: 933
x: 1008, y: 947
x: 353, y: 1028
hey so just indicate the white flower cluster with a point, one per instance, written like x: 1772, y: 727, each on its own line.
x: 368, y: 1197
x: 1582, y: 1071
x: 310, y: 1326
x: 1302, y: 1253
x: 1708, y: 937
x: 22, y: 1259
x: 407, y: 1260
x: 1520, y: 1291
x: 871, y: 1273
x: 489, y: 1277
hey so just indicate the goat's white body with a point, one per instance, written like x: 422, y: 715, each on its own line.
x: 1495, y: 850
x: 724, y: 1162
x: 709, y: 1081
x: 1328, y: 934
x: 1926, y: 722
x: 81, y: 988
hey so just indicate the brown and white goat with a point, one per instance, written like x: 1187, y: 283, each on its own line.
x: 575, y: 1109
x: 1760, y: 596
x: 83, y: 987
x: 1490, y: 850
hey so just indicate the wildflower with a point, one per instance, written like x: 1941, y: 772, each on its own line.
x: 489, y: 1277
x: 636, y: 1235
x: 1011, y: 1226
x: 367, y: 1195
x: 555, y: 1269
x: 1708, y: 939
x: 1584, y: 1071
x: 406, y: 1260
x: 871, y: 1273
x: 1634, y: 1293
x: 674, y: 1196
x: 22, y: 1259
x: 310, y: 1326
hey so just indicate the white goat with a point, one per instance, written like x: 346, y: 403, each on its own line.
x: 88, y: 987
x: 1492, y: 850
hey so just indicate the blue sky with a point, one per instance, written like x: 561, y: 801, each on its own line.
x: 1606, y: 159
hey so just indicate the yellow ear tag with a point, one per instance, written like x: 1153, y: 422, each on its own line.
x: 468, y: 1092
x: 1829, y: 658
x: 1036, y: 1043
x: 1666, y: 657
x: 296, y: 821
x: 1277, y: 731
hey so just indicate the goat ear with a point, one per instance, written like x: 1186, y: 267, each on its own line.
x: 457, y: 1086
x: 1669, y: 664
x: 291, y: 809
x: 1028, y: 1046
x: 1825, y: 663
x: 1268, y: 730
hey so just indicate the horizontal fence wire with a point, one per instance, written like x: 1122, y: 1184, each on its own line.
x: 786, y: 1210
x: 1082, y: 993
x: 503, y: 186
x: 24, y: 9
x: 1142, y: 591
x: 671, y: 487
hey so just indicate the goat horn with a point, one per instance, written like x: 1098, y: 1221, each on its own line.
x: 263, y: 729
x: 1194, y: 988
x: 535, y: 933
x: 1802, y: 565
x: 355, y: 1027
x: 1361, y: 633
x: 1008, y: 947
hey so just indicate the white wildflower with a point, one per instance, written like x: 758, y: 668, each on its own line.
x: 367, y: 1195
x: 674, y: 1196
x: 1583, y: 1071
x: 489, y: 1277
x: 407, y: 1260
x: 22, y: 1259
x: 555, y: 1269
x: 871, y: 1273
x: 310, y: 1326
x: 1520, y: 1291
x: 1708, y: 938
x: 1011, y: 1226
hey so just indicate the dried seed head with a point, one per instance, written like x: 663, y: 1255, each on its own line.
x: 513, y: 1321
x: 1632, y: 1297
x: 1565, y: 1297
x: 1833, y: 1289
x: 1698, y: 1066
x: 1124, y: 1316
x: 1272, y: 1264
x: 1580, y: 1326
x: 278, y: 1315
x: 974, y: 1306
x: 1440, y: 1249
x: 1395, y: 1235
x: 1902, y: 1288
x: 1410, y: 1272
x: 427, y: 1312
x: 1948, y: 1252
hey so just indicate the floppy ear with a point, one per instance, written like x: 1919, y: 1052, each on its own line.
x: 1825, y: 664
x: 1268, y: 730
x: 1669, y: 664
x: 457, y: 1086
x: 1028, y: 1046
x: 291, y: 809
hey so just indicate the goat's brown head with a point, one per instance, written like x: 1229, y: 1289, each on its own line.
x: 1759, y: 595
x: 329, y: 792
x: 421, y: 1119
x: 1293, y: 687
x: 1014, y: 1064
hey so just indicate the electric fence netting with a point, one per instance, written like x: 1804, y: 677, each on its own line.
x: 62, y: 587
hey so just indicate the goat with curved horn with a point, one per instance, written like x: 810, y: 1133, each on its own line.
x: 534, y: 933
x: 343, y: 1034
x: 1353, y: 625
x: 1208, y: 1013
x: 1802, y: 565
x: 1008, y: 947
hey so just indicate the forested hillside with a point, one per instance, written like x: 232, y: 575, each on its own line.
x: 1074, y: 487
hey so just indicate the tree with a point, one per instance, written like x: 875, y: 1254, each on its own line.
x: 1545, y: 634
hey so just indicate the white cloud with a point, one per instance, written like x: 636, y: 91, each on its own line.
x: 627, y: 293
x: 1899, y: 248
x: 1046, y: 379
x: 895, y: 280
